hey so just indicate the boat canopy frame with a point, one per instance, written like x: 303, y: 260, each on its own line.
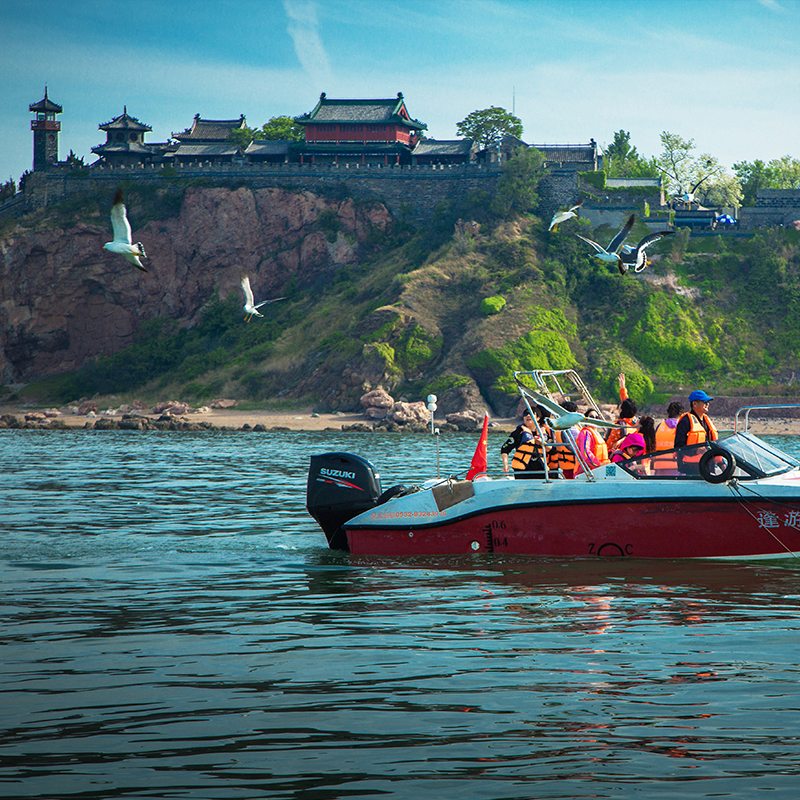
x: 549, y: 383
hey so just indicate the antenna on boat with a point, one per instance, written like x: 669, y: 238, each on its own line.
x: 431, y: 400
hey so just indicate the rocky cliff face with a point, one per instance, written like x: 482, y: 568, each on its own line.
x: 63, y: 299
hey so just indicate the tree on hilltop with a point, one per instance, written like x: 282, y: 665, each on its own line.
x: 517, y: 189
x: 489, y: 126
x: 780, y: 173
x: 281, y: 128
x: 702, y: 178
x: 623, y: 161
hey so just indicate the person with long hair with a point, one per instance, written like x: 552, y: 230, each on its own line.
x: 647, y: 427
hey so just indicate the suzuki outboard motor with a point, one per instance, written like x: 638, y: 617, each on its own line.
x: 340, y: 486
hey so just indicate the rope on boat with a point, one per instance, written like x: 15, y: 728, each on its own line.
x: 737, y: 487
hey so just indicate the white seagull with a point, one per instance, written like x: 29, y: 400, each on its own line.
x: 562, y: 419
x: 250, y: 308
x: 122, y: 243
x: 610, y: 254
x: 563, y: 216
x: 635, y: 256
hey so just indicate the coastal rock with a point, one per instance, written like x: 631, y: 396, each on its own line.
x: 223, y: 403
x: 377, y: 398
x: 172, y: 407
x: 130, y: 423
x: 105, y: 424
x: 405, y: 413
x: 377, y: 404
x: 66, y: 301
x: 87, y: 407
x: 465, y: 420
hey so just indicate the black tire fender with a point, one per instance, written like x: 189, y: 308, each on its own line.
x: 391, y: 492
x: 709, y: 465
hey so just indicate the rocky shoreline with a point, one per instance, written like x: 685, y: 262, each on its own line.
x: 231, y: 419
x: 381, y: 414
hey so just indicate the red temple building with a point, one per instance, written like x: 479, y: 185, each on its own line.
x: 359, y: 131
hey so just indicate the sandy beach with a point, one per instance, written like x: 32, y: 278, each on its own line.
x: 307, y: 420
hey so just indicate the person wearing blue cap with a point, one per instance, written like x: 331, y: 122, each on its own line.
x: 695, y: 426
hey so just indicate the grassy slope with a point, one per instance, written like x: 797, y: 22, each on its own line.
x: 714, y: 312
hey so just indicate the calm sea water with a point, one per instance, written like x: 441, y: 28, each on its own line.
x: 173, y: 626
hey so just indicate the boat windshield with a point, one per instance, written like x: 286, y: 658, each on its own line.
x: 757, y: 454
x: 754, y: 459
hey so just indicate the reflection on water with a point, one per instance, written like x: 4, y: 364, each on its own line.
x: 173, y: 626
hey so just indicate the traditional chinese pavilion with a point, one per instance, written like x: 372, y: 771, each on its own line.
x: 208, y: 140
x: 360, y: 131
x: 45, y: 129
x: 124, y: 141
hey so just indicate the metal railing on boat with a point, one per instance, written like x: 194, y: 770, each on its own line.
x: 748, y: 409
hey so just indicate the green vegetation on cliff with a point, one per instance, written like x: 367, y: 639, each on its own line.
x: 459, y: 306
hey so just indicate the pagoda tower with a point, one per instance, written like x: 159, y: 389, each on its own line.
x: 45, y: 129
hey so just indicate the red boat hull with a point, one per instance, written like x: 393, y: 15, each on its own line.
x: 638, y: 529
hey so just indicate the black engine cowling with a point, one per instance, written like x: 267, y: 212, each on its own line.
x: 340, y: 486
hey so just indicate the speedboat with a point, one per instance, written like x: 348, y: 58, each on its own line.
x: 735, y: 498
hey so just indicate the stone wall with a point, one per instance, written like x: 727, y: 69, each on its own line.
x: 773, y: 208
x: 408, y: 191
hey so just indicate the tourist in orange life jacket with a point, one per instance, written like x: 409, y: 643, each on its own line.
x: 524, y: 441
x: 560, y: 455
x: 627, y: 416
x: 591, y: 444
x: 665, y: 432
x: 695, y: 426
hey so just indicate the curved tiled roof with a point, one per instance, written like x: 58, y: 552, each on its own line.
x: 210, y: 130
x: 45, y: 105
x: 380, y: 111
x: 441, y: 147
x: 125, y: 122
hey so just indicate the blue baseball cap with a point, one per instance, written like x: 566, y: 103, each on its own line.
x: 699, y: 394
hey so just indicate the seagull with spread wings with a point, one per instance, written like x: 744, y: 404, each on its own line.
x: 123, y: 243
x: 563, y: 216
x: 635, y: 256
x: 610, y: 254
x: 561, y: 419
x: 250, y: 306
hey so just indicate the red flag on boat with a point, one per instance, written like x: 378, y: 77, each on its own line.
x: 480, y: 463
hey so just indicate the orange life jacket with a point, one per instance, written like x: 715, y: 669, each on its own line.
x: 523, y: 455
x: 561, y: 456
x: 665, y: 437
x: 697, y: 433
x: 615, y: 434
x: 594, y: 448
x: 599, y: 447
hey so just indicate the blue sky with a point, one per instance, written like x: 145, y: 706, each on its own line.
x: 724, y: 74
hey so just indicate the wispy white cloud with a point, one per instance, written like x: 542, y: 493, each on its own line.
x: 772, y: 5
x: 303, y: 27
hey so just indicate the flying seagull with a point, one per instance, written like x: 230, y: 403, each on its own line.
x: 563, y: 419
x: 610, y: 254
x: 563, y: 216
x: 635, y: 256
x: 122, y: 243
x: 688, y: 197
x: 250, y: 308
